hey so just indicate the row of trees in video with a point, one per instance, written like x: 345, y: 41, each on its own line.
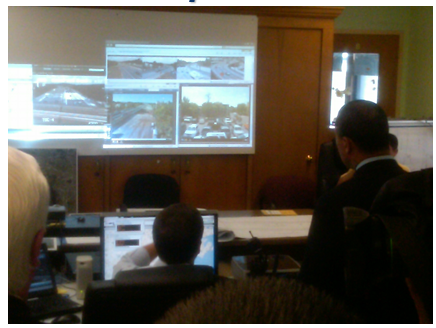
x: 209, y: 109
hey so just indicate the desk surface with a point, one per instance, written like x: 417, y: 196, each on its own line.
x: 267, y: 226
x: 251, y: 213
x: 289, y: 244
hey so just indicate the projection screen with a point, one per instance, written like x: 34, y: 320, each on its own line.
x: 123, y: 82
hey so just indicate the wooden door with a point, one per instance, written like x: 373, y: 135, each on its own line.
x: 216, y: 182
x: 123, y: 167
x: 387, y: 46
x: 287, y: 108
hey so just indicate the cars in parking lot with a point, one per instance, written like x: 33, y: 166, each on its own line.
x: 226, y: 130
x: 204, y: 131
x: 189, y: 119
x: 237, y: 131
x: 216, y: 136
x: 191, y: 132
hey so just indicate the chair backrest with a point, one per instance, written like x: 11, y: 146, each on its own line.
x: 287, y: 192
x: 368, y: 254
x: 330, y: 167
x: 151, y: 191
x: 392, y: 244
x: 405, y: 207
x: 144, y: 295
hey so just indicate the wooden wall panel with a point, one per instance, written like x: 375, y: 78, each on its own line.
x: 214, y: 181
x: 91, y: 182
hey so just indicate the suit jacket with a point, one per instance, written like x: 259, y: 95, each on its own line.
x: 324, y: 261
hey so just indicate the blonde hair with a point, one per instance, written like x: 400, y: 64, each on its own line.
x: 28, y: 199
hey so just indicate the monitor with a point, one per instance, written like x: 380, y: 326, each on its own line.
x: 125, y: 232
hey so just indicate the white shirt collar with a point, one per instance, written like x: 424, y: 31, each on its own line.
x: 373, y: 159
x: 158, y: 262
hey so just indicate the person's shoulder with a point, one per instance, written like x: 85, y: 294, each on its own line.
x: 404, y: 167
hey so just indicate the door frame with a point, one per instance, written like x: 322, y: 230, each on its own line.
x: 400, y: 34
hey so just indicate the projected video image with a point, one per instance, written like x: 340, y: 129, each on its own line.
x: 69, y: 104
x: 214, y: 114
x: 228, y: 68
x: 166, y: 68
x: 141, y: 67
x: 137, y: 117
x: 189, y: 68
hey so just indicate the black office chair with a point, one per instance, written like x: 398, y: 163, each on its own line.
x: 287, y: 192
x: 151, y: 191
x: 144, y: 295
x: 392, y: 243
x: 374, y: 277
x: 330, y: 167
x: 405, y: 206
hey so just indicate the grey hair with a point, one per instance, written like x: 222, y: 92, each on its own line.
x: 260, y: 301
x: 28, y: 199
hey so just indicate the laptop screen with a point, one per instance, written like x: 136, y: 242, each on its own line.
x: 43, y: 282
x: 122, y: 234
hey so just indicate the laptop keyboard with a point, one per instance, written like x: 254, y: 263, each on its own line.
x: 52, y: 305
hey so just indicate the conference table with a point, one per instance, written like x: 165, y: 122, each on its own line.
x: 279, y: 231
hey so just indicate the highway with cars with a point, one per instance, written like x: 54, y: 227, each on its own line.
x: 63, y: 105
x: 137, y: 126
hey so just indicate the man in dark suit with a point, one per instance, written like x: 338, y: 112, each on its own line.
x: 362, y: 139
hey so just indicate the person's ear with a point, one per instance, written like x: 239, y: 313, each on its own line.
x: 348, y: 145
x: 392, y: 151
x: 36, y: 248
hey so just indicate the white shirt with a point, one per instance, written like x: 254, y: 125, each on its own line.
x: 137, y: 259
x: 373, y: 159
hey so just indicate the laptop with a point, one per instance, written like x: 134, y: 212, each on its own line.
x: 44, y: 300
x: 123, y: 232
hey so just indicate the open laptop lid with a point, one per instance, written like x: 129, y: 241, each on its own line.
x: 43, y: 283
x: 122, y: 232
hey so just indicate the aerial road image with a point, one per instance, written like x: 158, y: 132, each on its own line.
x: 142, y: 117
x: 66, y: 105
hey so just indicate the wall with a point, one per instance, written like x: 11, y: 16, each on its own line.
x: 415, y: 145
x: 415, y: 25
x: 420, y: 68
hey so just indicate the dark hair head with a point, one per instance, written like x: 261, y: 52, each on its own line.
x: 366, y: 124
x: 263, y: 300
x: 177, y: 233
x: 393, y: 141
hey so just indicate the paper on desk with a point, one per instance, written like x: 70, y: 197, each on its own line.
x: 279, y: 212
x: 267, y: 226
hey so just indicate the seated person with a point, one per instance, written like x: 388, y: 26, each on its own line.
x: 28, y: 199
x: 393, y: 149
x: 263, y: 300
x: 177, y: 233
